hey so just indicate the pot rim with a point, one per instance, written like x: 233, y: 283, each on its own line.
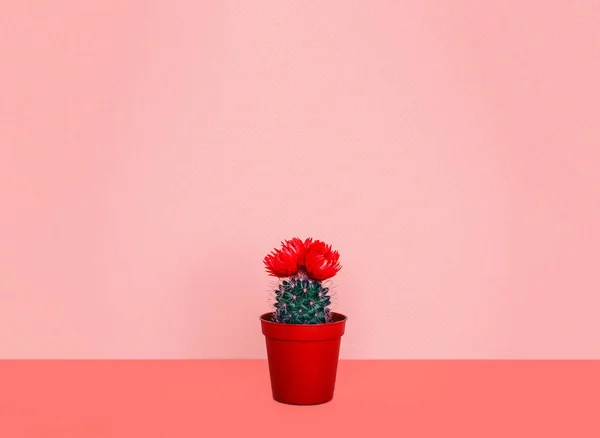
x: 264, y: 318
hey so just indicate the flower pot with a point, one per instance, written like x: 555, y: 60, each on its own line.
x: 303, y: 359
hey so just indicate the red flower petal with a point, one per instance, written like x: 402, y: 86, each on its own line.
x: 284, y: 262
x: 302, y: 252
x: 320, y: 261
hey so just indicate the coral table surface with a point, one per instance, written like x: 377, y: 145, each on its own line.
x: 222, y: 398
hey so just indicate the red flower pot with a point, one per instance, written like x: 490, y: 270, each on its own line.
x: 303, y: 359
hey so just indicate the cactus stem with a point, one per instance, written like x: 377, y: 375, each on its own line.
x: 302, y: 301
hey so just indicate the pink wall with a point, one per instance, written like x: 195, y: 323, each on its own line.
x: 153, y: 152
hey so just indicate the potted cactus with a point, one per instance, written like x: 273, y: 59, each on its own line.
x: 302, y: 334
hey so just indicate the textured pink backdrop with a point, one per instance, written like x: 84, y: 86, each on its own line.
x: 153, y: 152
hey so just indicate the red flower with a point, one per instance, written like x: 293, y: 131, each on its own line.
x: 284, y: 262
x: 320, y: 261
x: 315, y: 257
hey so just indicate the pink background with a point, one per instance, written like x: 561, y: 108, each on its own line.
x: 151, y: 153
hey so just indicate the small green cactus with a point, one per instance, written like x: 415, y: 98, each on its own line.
x: 301, y: 267
x: 302, y: 302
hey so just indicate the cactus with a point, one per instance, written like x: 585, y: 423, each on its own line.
x: 301, y: 267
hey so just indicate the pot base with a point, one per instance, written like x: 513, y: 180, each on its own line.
x: 302, y: 404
